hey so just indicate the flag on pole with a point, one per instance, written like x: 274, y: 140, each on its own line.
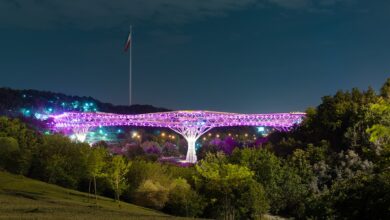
x: 128, y: 43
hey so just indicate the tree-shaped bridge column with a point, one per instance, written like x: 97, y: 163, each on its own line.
x: 191, y: 133
x: 81, y: 133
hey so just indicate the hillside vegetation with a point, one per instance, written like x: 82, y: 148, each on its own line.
x: 21, y: 197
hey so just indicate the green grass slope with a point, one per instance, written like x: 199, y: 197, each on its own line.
x: 24, y: 198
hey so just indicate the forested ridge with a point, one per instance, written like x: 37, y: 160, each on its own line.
x: 12, y: 101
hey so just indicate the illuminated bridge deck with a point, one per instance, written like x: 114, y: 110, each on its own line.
x: 190, y: 124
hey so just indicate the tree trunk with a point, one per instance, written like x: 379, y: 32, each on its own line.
x: 117, y: 191
x: 119, y: 202
x: 89, y: 189
x: 226, y: 212
x: 94, y: 183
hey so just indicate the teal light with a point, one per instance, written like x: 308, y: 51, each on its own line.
x: 260, y: 129
x: 25, y: 112
x: 40, y: 116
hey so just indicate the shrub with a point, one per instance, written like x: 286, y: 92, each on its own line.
x: 151, y: 194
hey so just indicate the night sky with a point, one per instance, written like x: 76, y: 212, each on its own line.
x: 249, y: 56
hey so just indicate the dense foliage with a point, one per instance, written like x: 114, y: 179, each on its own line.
x: 336, y: 165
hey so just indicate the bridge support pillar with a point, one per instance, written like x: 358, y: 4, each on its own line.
x: 81, y: 133
x: 191, y: 133
x: 191, y: 153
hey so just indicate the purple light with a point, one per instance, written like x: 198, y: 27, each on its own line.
x: 190, y: 124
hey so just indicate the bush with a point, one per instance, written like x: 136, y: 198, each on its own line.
x: 170, y: 150
x: 151, y: 194
x: 183, y: 200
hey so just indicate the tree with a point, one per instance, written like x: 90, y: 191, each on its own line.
x: 267, y: 169
x: 96, y: 161
x: 340, y: 120
x: 142, y: 170
x: 59, y: 161
x: 299, y: 160
x: 117, y: 170
x: 9, y: 150
x: 385, y: 90
x: 252, y: 202
x: 380, y: 132
x: 152, y: 194
x: 183, y: 200
x: 365, y: 196
x: 170, y: 150
x: 224, y: 183
x: 27, y: 140
x: 284, y: 186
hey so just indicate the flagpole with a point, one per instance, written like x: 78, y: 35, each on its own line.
x: 130, y: 65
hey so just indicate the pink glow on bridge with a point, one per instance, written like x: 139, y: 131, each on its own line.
x: 190, y: 124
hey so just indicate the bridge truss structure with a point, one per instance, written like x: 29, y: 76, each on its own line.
x: 190, y: 124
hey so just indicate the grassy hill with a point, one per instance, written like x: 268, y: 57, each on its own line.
x: 24, y: 198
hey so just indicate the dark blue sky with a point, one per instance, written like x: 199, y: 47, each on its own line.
x: 226, y: 55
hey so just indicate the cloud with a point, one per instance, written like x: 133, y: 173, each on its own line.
x: 170, y: 38
x: 109, y: 13
x: 294, y: 4
x: 91, y: 14
x: 308, y: 4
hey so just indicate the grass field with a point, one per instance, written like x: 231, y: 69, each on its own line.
x: 24, y: 198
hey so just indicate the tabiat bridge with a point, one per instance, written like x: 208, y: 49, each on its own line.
x: 190, y: 124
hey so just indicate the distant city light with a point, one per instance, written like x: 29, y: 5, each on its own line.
x: 41, y: 116
x: 25, y: 112
x: 260, y: 129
